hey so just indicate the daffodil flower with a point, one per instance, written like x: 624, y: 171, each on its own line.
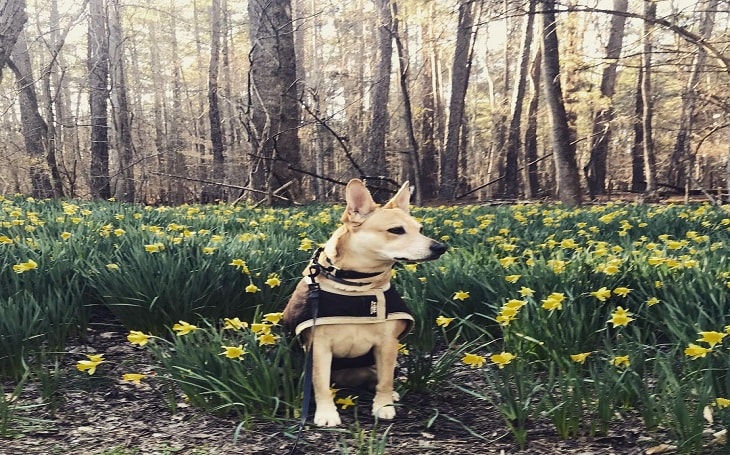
x: 137, y: 337
x: 346, y: 402
x: 722, y: 402
x: 133, y: 377
x: 695, y: 352
x: 712, y: 338
x: 234, y: 323
x: 473, y: 360
x: 621, y: 361
x: 252, y: 288
x: 267, y: 339
x: 461, y: 295
x: 602, y: 294
x: 502, y: 359
x: 273, y: 280
x: 622, y: 291
x: 89, y: 365
x: 273, y: 318
x: 233, y: 352
x: 554, y: 301
x: 184, y: 328
x: 620, y: 317
x: 580, y: 358
x: 443, y: 321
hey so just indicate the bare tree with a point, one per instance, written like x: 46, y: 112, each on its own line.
x: 595, y: 169
x: 532, y: 183
x: 563, y: 142
x: 12, y: 20
x: 212, y: 193
x: 273, y: 97
x: 98, y: 94
x: 646, y: 99
x: 461, y: 68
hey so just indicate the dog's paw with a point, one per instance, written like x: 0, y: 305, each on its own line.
x: 385, y: 412
x: 327, y: 418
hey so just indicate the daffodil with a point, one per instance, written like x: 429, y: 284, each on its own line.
x: 526, y: 292
x: 112, y: 266
x: 137, y: 337
x: 235, y: 324
x: 473, y: 360
x: 696, y: 351
x: 260, y: 328
x: 652, y: 301
x: 502, y: 358
x: 602, y: 294
x: 154, y: 247
x: 461, y: 295
x: 89, y: 365
x: 507, y: 261
x: 267, y: 339
x: 66, y: 235
x: 403, y: 349
x: 515, y: 303
x: 620, y: 317
x: 722, y: 402
x: 273, y: 318
x: 23, y: 267
x: 622, y: 291
x: 252, y: 288
x: 273, y: 280
x: 621, y: 361
x: 512, y: 278
x: 346, y: 402
x: 580, y: 358
x: 184, y: 328
x: 233, y: 352
x: 209, y: 250
x: 712, y: 338
x: 443, y: 321
x: 133, y: 377
x: 554, y: 301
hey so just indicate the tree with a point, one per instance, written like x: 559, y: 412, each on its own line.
x: 511, y: 175
x: 98, y: 93
x: 273, y: 98
x: 35, y: 130
x: 459, y: 83
x: 122, y: 120
x: 647, y: 102
x: 214, y: 192
x: 12, y: 20
x: 562, y: 137
x: 595, y: 169
x: 532, y: 183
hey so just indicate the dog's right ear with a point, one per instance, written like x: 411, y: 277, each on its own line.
x: 360, y: 202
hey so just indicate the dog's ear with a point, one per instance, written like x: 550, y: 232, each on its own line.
x: 401, y: 200
x: 359, y: 202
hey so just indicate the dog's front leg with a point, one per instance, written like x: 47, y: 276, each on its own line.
x: 386, y: 355
x: 326, y: 414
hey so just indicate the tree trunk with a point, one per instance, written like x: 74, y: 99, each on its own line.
x: 511, y: 175
x: 532, y: 182
x: 213, y: 192
x: 459, y: 84
x: 638, y: 175
x: 430, y: 112
x: 681, y: 161
x: 100, y: 187
x: 35, y: 130
x: 595, y: 169
x: 175, y: 159
x: 122, y: 119
x: 12, y: 20
x: 160, y: 139
x: 562, y: 136
x: 646, y: 99
x: 274, y: 96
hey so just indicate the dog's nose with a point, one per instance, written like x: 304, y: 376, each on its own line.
x: 437, y: 249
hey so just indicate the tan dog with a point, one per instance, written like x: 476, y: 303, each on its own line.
x: 354, y: 275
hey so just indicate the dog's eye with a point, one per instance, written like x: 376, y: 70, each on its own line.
x: 397, y: 230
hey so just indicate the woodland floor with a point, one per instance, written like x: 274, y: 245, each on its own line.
x: 104, y: 415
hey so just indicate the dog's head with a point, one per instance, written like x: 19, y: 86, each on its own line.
x: 373, y: 236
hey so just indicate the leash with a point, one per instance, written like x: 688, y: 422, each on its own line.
x: 313, y: 299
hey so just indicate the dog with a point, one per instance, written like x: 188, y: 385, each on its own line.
x: 354, y: 339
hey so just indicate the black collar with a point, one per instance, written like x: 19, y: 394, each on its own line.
x: 340, y: 276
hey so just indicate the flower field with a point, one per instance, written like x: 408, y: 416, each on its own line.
x: 576, y: 317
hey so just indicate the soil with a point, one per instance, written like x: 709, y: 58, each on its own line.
x: 102, y: 414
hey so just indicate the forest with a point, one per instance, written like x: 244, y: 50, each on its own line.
x: 281, y: 101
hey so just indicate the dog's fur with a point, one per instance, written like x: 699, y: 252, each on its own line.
x: 371, y: 239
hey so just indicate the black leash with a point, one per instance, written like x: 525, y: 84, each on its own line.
x: 313, y: 299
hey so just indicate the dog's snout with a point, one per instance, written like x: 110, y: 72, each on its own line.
x: 437, y: 249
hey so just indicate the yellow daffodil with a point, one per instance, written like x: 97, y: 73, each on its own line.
x: 622, y: 291
x: 133, y: 377
x: 461, y: 295
x: 602, y: 294
x: 233, y: 352
x: 515, y: 303
x: 557, y: 265
x: 696, y: 351
x: 621, y: 361
x: 273, y: 280
x: 252, y: 288
x: 235, y: 324
x: 473, y: 360
x: 443, y: 321
x: 267, y: 339
x: 209, y: 250
x: 112, y: 266
x: 89, y: 365
x: 154, y: 247
x: 260, y: 328
x: 507, y: 261
x: 184, y: 328
x: 502, y: 359
x: 410, y: 267
x: 137, y: 337
x: 23, y: 267
x: 722, y: 402
x: 66, y: 235
x: 403, y: 349
x: 712, y: 338
x: 512, y: 278
x: 526, y: 292
x: 273, y: 318
x: 504, y: 319
x: 620, y: 317
x: 580, y: 358
x: 346, y: 402
x: 652, y: 301
x: 554, y: 301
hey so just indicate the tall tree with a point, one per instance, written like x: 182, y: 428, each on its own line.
x: 273, y: 97
x: 647, y: 102
x: 532, y: 183
x: 595, y: 169
x: 35, y: 130
x: 680, y: 167
x: 461, y: 69
x: 12, y: 20
x: 98, y: 93
x: 121, y: 111
x: 216, y: 132
x: 562, y: 136
x: 511, y: 175
x: 638, y: 176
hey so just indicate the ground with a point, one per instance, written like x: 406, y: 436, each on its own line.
x: 104, y: 415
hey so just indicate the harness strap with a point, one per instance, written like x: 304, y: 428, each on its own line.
x: 341, y: 276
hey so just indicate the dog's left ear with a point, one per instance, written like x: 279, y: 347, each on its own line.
x: 401, y: 200
x: 359, y: 202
